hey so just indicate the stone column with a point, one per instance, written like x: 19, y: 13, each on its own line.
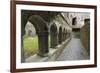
x: 53, y: 40
x: 24, y: 18
x: 60, y: 40
x: 43, y: 43
x: 22, y: 47
x: 60, y: 37
x: 64, y: 36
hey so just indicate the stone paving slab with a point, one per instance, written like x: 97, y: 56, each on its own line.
x: 73, y: 51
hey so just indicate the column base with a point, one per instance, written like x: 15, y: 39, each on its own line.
x: 42, y: 55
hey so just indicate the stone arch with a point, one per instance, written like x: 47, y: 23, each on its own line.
x: 53, y: 36
x: 60, y: 35
x: 39, y: 23
x: 42, y: 32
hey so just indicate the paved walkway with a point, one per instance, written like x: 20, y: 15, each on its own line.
x: 73, y: 51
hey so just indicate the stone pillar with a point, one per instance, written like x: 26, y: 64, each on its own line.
x: 64, y: 36
x: 43, y: 43
x: 53, y: 38
x: 24, y: 18
x: 67, y: 35
x: 22, y: 49
x: 60, y: 37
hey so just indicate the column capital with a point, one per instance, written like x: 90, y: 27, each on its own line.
x: 43, y: 33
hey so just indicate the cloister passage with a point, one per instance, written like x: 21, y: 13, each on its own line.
x: 56, y: 40
x: 74, y: 50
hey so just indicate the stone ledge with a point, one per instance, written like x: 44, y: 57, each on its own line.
x: 52, y: 55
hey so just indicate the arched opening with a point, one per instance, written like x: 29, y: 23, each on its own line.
x: 60, y: 35
x: 41, y: 37
x: 74, y: 21
x: 30, y: 40
x: 42, y: 33
x: 53, y: 36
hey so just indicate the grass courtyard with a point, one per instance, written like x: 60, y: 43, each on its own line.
x: 31, y: 45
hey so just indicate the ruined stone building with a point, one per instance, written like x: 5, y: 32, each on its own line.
x: 60, y: 26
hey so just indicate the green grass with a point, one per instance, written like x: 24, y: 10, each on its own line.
x: 30, y: 45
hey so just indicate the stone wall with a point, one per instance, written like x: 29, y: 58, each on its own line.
x: 85, y: 35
